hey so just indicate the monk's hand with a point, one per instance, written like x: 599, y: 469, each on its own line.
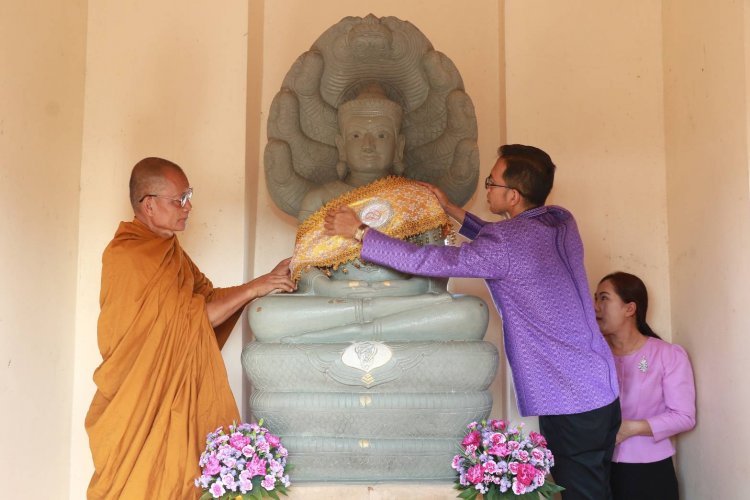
x: 342, y: 221
x: 271, y: 282
x: 282, y: 268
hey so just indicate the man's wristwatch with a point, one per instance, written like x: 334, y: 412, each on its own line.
x: 360, y: 232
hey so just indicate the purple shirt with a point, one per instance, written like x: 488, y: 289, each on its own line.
x: 656, y: 384
x: 533, y: 266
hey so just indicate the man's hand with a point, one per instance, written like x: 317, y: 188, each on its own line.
x: 448, y: 206
x: 341, y: 221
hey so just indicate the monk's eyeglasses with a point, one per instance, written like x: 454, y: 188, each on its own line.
x: 182, y: 200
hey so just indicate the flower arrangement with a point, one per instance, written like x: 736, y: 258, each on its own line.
x: 248, y: 462
x: 499, y: 462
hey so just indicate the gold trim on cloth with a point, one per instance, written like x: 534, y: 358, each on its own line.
x: 395, y: 206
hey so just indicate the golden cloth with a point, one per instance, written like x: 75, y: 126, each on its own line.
x: 395, y: 206
x: 162, y: 385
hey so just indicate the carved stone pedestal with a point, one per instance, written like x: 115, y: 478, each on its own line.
x: 370, y: 411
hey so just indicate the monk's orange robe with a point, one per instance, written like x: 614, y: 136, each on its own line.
x: 162, y: 385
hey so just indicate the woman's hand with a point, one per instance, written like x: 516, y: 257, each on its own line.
x: 630, y: 428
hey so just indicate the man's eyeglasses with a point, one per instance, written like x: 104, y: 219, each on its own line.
x: 182, y: 200
x: 489, y: 183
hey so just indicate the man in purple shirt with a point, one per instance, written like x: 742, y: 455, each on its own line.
x: 532, y: 263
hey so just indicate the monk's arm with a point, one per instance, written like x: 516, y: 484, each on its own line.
x: 221, y: 308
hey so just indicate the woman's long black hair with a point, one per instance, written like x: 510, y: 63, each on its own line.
x: 630, y: 288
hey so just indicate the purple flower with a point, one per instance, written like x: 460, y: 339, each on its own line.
x: 276, y: 468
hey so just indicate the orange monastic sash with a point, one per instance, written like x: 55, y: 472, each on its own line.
x: 162, y: 385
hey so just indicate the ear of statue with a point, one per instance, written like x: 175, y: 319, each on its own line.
x: 398, y: 155
x: 341, y: 168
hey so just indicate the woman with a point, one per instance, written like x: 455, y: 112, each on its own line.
x: 657, y: 394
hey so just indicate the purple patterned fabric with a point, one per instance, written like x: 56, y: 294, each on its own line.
x: 533, y: 266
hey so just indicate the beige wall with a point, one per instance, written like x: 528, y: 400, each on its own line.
x: 643, y: 106
x: 42, y: 50
x: 706, y: 96
x: 162, y: 79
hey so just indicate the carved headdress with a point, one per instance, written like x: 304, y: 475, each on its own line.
x: 371, y: 101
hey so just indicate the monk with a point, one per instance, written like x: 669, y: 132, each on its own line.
x: 162, y: 385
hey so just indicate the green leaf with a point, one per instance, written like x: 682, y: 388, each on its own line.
x: 492, y: 494
x: 272, y: 494
x: 206, y: 495
x: 468, y: 494
x: 549, y: 488
x: 282, y: 489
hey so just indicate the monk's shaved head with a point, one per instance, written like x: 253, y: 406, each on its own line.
x: 147, y: 177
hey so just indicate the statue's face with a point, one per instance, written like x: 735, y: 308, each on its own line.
x: 369, y: 143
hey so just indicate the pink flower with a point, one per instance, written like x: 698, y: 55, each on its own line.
x: 456, y: 464
x: 256, y: 467
x: 472, y: 438
x: 523, y: 456
x: 238, y: 441
x: 248, y: 451
x: 537, y: 454
x: 513, y: 467
x: 212, y: 466
x: 273, y: 440
x: 513, y: 445
x: 268, y: 482
x: 498, y: 438
x: 537, y: 439
x: 518, y: 488
x: 490, y: 467
x: 497, y: 425
x: 526, y: 474
x: 217, y: 489
x: 475, y: 474
x: 500, y: 450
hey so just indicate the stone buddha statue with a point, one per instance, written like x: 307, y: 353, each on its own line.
x: 376, y: 371
x: 372, y: 302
